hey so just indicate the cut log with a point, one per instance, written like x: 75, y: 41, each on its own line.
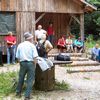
x: 84, y: 63
x: 83, y: 69
x: 79, y: 59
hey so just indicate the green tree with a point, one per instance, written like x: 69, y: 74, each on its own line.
x: 92, y: 21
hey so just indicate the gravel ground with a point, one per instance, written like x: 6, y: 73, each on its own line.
x: 83, y: 86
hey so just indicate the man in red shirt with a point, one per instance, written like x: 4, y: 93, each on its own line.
x: 11, y: 47
x: 50, y: 32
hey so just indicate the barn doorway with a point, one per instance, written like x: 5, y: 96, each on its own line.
x: 60, y: 23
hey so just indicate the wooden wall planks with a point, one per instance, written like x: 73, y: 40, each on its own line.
x: 59, y: 6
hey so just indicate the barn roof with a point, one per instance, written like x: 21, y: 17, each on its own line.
x: 88, y: 6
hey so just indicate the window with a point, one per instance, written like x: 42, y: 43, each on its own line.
x: 7, y: 22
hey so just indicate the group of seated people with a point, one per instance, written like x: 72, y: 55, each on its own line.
x: 71, y: 46
x: 77, y: 46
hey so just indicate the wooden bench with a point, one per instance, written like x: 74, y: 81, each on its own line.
x: 71, y: 54
x: 56, y: 62
x: 45, y: 80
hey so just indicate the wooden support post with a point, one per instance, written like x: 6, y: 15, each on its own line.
x: 70, y: 21
x: 24, y: 24
x: 82, y: 26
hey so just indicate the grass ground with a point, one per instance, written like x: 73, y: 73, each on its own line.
x: 8, y: 82
x: 83, y: 86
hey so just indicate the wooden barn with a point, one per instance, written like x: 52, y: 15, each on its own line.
x: 20, y: 16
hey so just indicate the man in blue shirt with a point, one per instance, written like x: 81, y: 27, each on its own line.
x: 98, y: 57
x: 95, y: 52
x: 26, y: 54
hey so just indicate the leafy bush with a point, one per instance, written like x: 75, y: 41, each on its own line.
x: 7, y: 81
x: 61, y: 86
x: 90, y: 43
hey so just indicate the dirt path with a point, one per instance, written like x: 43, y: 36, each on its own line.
x: 84, y: 86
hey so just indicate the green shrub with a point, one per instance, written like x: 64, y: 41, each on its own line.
x: 62, y: 86
x: 7, y: 81
x: 90, y: 42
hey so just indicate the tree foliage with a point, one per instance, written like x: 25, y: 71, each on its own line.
x: 97, y: 13
x: 93, y: 1
x: 92, y: 21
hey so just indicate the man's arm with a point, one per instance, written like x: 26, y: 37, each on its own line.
x: 49, y: 47
x: 8, y: 42
x: 35, y: 38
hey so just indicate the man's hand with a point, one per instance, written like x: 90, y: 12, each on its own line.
x: 3, y: 53
x: 35, y: 60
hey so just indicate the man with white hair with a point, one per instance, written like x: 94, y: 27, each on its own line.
x: 38, y: 33
x: 26, y: 54
x: 47, y: 45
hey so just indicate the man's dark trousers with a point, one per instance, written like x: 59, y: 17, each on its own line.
x: 26, y: 68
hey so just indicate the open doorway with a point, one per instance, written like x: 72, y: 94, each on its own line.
x: 59, y: 20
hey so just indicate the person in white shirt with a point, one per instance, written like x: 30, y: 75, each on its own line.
x: 47, y: 45
x: 69, y: 44
x: 26, y: 55
x: 39, y: 32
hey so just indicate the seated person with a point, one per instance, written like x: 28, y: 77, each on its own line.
x: 61, y: 45
x: 98, y: 57
x: 95, y: 52
x: 46, y: 46
x: 69, y: 45
x: 78, y: 45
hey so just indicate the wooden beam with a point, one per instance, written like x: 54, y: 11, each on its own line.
x: 70, y: 21
x: 87, y: 70
x: 89, y: 5
x: 69, y: 24
x: 77, y: 20
x: 40, y: 17
x: 82, y: 26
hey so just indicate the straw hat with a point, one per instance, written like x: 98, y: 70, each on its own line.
x: 28, y: 35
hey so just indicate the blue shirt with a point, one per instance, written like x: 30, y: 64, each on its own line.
x: 78, y: 43
x: 26, y: 51
x: 95, y: 51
